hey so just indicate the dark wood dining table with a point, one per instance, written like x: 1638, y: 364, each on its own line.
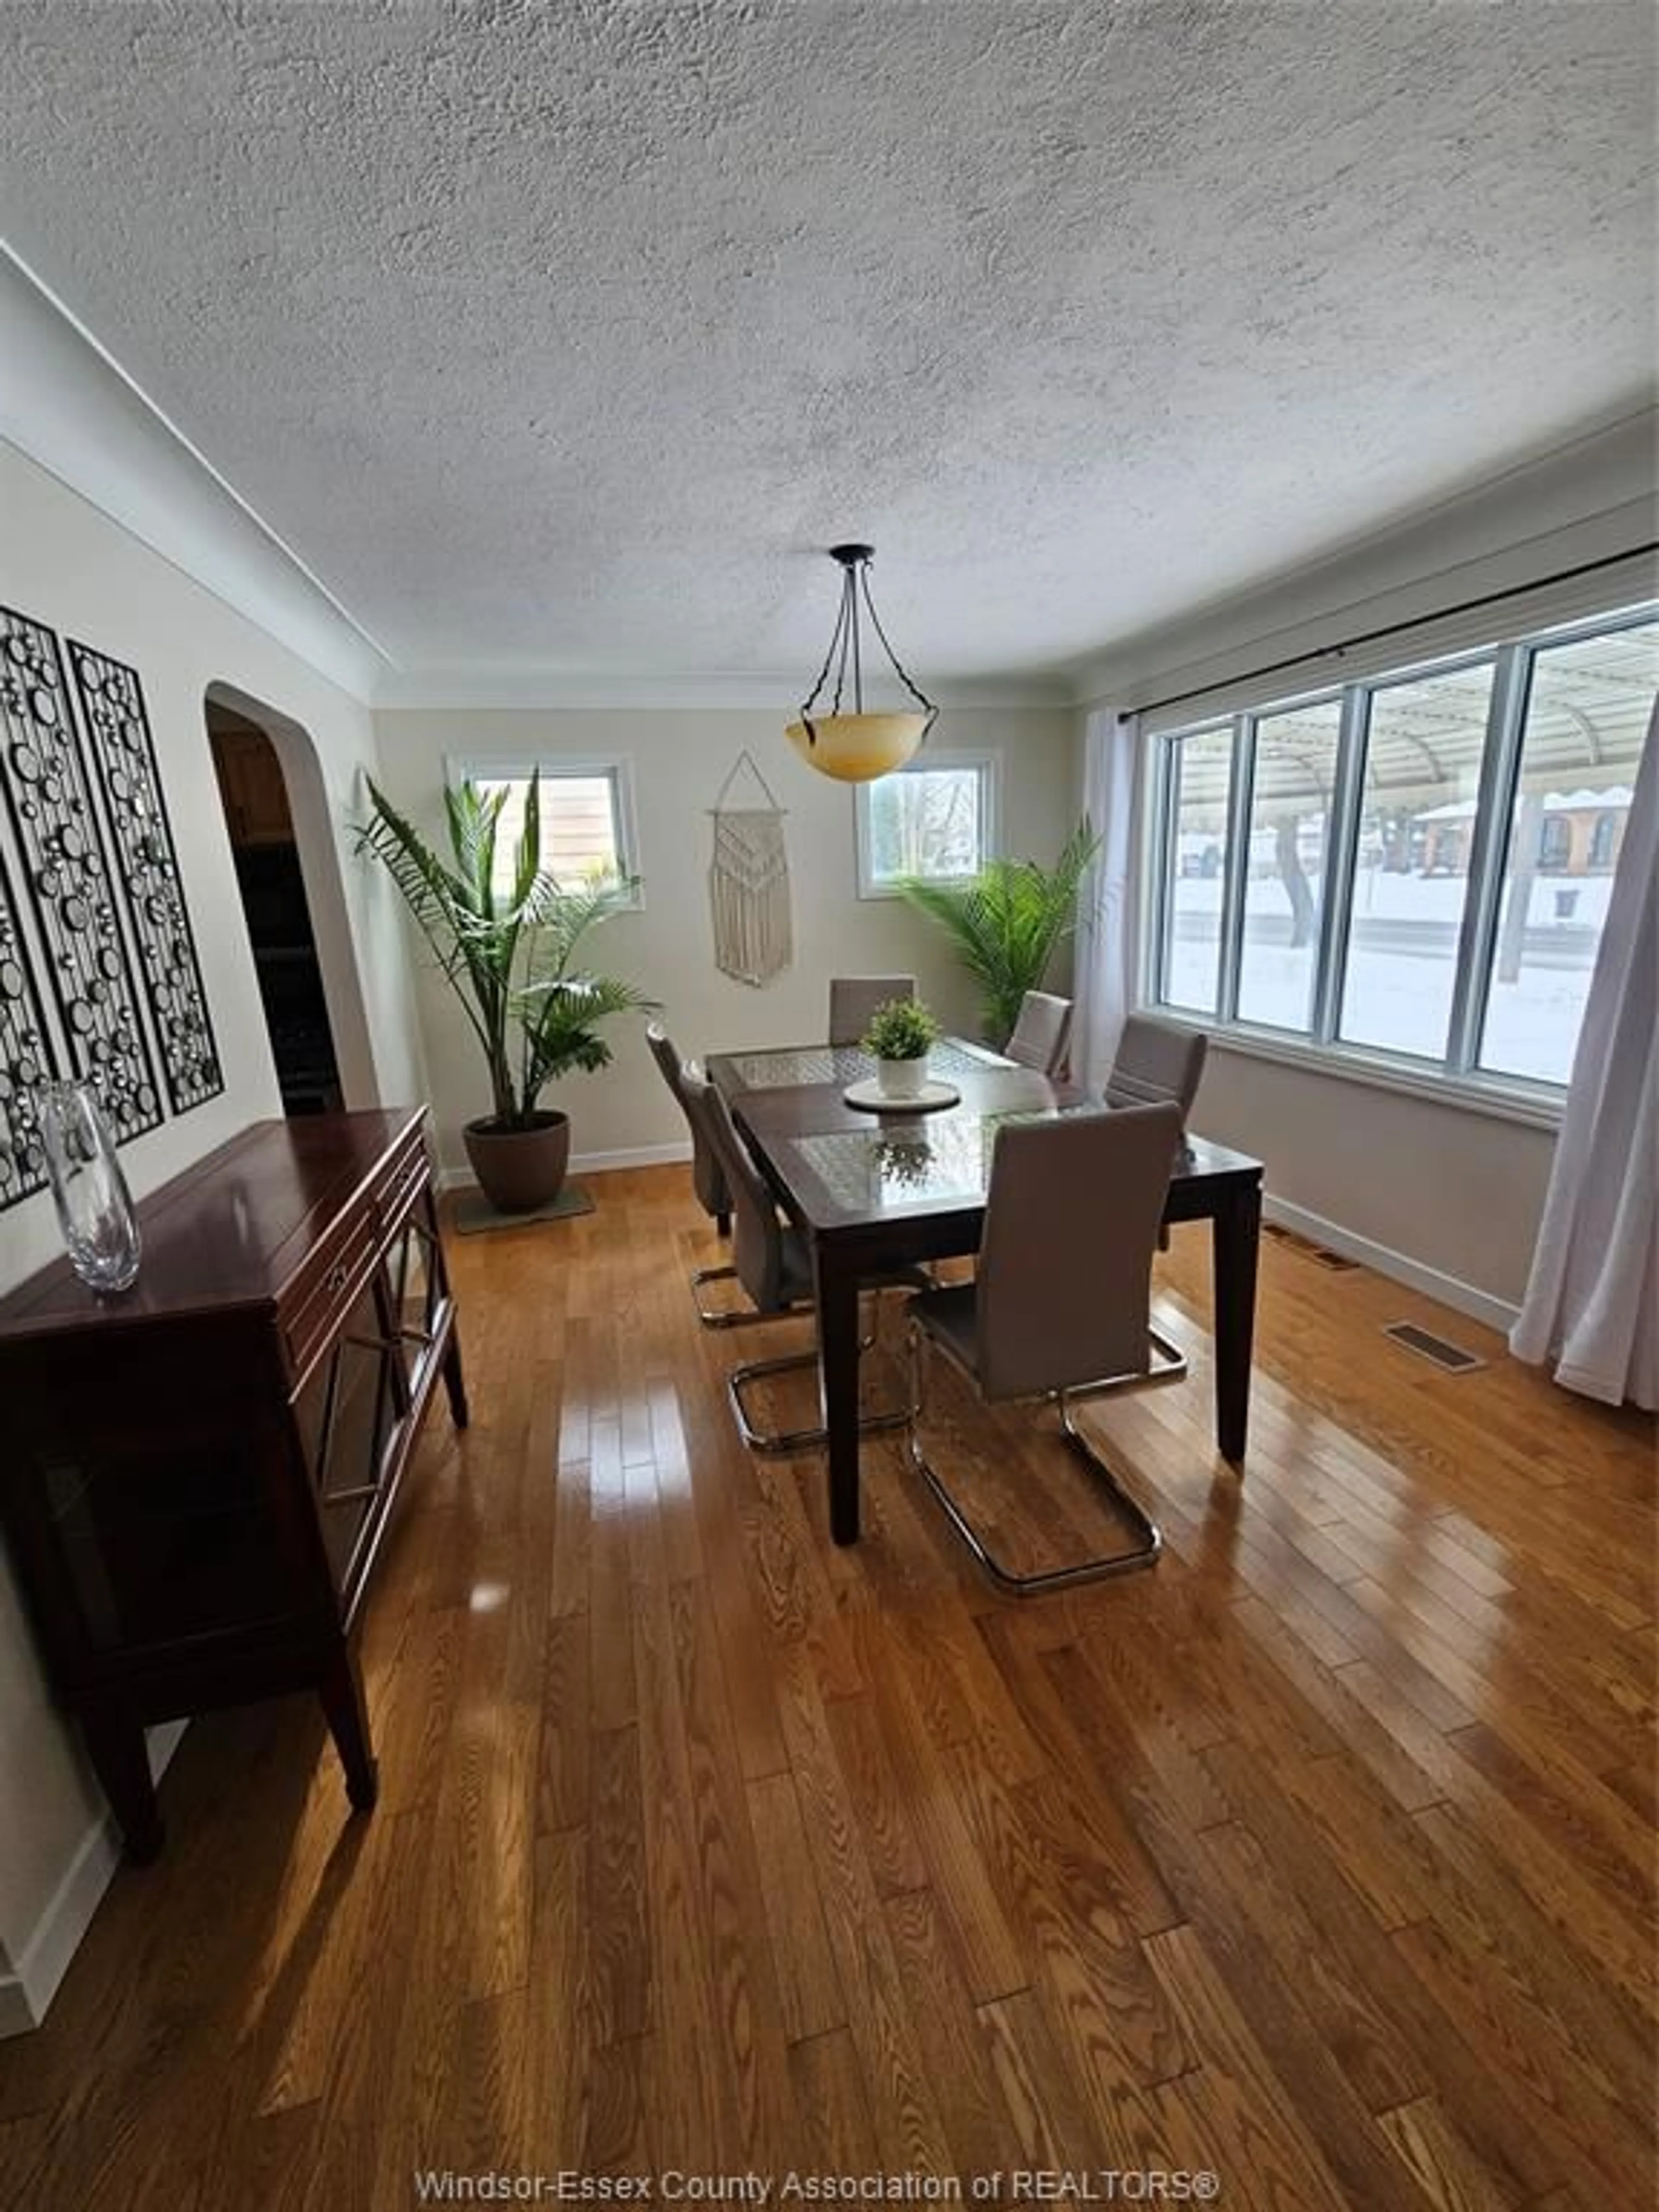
x: 873, y: 1192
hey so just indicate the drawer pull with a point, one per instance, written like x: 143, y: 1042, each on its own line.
x: 337, y: 1276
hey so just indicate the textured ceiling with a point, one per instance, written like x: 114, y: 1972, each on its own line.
x: 567, y: 334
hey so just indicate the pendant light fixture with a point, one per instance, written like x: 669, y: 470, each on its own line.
x: 856, y: 747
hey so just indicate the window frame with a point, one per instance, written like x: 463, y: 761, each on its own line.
x: 1163, y: 786
x: 987, y: 763
x: 1240, y: 831
x: 618, y: 768
x: 1456, y: 1075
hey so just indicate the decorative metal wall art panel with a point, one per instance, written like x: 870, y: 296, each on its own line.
x: 24, y: 1059
x: 123, y: 757
x: 66, y: 878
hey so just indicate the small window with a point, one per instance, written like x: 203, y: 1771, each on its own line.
x: 1554, y: 843
x: 587, y: 815
x: 1605, y: 839
x: 936, y: 819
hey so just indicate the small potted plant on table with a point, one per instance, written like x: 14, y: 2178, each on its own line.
x: 901, y: 1034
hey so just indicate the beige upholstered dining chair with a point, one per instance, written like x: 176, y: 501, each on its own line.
x: 708, y: 1180
x: 1041, y: 1033
x: 853, y: 998
x: 1155, y: 1060
x: 1060, y: 1300
x: 774, y: 1262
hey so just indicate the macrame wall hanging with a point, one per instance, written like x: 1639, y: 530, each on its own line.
x: 749, y: 884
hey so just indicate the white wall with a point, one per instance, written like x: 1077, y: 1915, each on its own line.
x: 1446, y: 1196
x: 679, y: 760
x: 1436, y: 1194
x: 65, y: 564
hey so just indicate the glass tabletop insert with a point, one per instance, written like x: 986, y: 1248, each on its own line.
x: 840, y: 1063
x: 944, y: 1160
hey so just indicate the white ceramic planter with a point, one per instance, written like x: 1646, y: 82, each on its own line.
x: 902, y: 1078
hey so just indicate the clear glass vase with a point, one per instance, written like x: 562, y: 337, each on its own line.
x: 94, y: 1207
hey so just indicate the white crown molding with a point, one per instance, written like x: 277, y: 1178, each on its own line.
x: 1584, y: 502
x: 70, y: 406
x: 599, y: 691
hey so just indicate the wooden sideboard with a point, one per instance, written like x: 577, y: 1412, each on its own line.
x: 196, y: 1476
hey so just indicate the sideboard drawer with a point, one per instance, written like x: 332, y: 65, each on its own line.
x: 348, y: 1263
x: 407, y: 1172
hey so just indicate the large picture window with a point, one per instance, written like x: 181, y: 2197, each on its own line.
x: 1413, y: 871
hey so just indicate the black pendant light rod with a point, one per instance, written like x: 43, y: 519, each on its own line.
x: 846, y: 643
x: 899, y: 669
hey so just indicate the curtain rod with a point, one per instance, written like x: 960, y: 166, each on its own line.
x: 1393, y: 629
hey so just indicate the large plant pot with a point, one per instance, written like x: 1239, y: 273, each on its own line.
x: 518, y: 1169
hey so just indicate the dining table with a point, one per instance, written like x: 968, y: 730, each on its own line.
x: 877, y: 1191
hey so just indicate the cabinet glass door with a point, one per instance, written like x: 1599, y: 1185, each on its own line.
x: 162, y: 1545
x: 345, y: 1416
x: 414, y: 1274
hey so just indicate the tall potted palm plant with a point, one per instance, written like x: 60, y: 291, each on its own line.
x: 506, y: 942
x: 1007, y: 922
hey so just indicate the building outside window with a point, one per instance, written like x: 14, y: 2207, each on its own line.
x: 587, y: 816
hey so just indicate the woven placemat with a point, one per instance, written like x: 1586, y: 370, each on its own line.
x: 471, y: 1211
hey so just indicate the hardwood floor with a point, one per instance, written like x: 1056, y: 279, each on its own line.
x: 1319, y: 1858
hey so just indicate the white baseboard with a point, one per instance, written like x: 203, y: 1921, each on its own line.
x: 16, y: 2014
x: 641, y: 1156
x: 26, y: 1992
x: 1399, y: 1266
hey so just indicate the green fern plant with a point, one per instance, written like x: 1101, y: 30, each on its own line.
x: 901, y: 1029
x: 509, y: 956
x: 1007, y: 924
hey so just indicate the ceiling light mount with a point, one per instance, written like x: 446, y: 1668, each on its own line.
x: 855, y: 747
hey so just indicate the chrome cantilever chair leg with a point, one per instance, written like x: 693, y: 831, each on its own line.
x: 733, y: 1317
x: 770, y: 1441
x: 1168, y: 1367
x: 1151, y: 1537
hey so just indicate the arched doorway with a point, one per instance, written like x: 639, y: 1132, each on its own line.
x: 279, y: 823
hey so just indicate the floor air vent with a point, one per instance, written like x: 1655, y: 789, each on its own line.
x: 1338, y: 1263
x: 1427, y: 1345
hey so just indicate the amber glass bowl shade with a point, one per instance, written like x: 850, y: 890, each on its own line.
x: 858, y: 748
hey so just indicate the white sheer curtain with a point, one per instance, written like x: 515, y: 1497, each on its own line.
x: 1103, y: 978
x: 1592, y: 1302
